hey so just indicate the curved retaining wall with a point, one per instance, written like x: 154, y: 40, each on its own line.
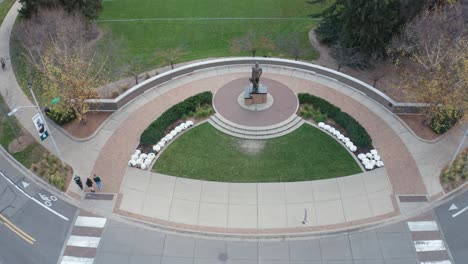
x: 135, y: 91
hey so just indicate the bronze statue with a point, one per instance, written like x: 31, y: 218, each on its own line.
x: 256, y: 72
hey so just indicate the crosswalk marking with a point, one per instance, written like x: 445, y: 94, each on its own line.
x: 83, y: 241
x: 437, y: 262
x: 429, y: 245
x: 87, y: 221
x: 423, y: 226
x: 76, y: 260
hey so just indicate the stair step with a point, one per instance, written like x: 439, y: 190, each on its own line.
x: 266, y: 132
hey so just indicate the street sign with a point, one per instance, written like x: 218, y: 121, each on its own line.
x: 40, y: 127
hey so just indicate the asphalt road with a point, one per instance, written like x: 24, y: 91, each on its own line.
x: 29, y: 233
x: 454, y: 224
x: 124, y: 244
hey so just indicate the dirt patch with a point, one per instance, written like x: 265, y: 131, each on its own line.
x: 84, y: 130
x: 250, y: 147
x: 416, y: 123
x: 20, y: 143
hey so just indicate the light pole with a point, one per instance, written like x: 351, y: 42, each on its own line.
x: 14, y: 110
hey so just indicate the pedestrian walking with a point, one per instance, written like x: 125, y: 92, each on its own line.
x: 98, y: 182
x: 77, y: 179
x: 89, y: 183
x: 2, y: 61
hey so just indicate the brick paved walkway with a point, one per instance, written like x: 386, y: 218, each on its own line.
x: 188, y: 210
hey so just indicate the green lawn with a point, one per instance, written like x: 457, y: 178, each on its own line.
x: 5, y: 6
x: 207, y: 154
x: 200, y: 36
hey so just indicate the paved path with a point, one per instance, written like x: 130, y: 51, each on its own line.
x: 412, y: 165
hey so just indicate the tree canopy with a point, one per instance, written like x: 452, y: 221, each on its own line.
x: 365, y: 25
x: 88, y: 8
x: 431, y: 54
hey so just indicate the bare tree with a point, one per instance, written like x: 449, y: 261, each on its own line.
x: 67, y: 31
x: 59, y: 48
x: 135, y: 67
x: 348, y: 57
x: 170, y: 55
x: 431, y: 54
x: 293, y: 46
x: 252, y: 42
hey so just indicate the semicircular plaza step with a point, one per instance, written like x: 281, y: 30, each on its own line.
x: 254, y: 132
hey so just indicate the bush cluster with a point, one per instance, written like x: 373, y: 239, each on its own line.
x: 357, y: 134
x: 61, y: 117
x: 444, y: 120
x: 156, y: 130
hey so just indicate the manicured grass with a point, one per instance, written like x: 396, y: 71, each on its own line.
x: 207, y: 154
x: 5, y: 6
x: 204, y: 38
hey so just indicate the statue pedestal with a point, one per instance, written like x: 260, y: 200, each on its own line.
x: 259, y: 97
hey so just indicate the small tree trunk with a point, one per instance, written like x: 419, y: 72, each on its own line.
x: 136, y: 78
x: 339, y: 67
x: 172, y: 65
x: 375, y: 83
x: 253, y: 52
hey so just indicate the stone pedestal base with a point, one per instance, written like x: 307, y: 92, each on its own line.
x: 260, y: 97
x: 256, y: 98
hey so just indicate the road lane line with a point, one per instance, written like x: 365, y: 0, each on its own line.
x: 83, y: 241
x: 18, y: 233
x: 429, y: 245
x: 16, y: 228
x: 76, y: 260
x: 88, y: 221
x: 423, y: 226
x: 437, y: 262
x: 32, y: 198
x: 461, y: 211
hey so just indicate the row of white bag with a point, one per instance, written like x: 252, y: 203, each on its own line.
x: 338, y: 135
x: 141, y: 160
x: 371, y: 159
x: 171, y: 135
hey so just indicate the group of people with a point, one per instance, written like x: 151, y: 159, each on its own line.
x: 89, y: 182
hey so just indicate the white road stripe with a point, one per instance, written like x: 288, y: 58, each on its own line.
x: 437, y: 262
x: 76, y: 260
x: 32, y: 198
x: 83, y: 241
x: 423, y: 226
x: 429, y: 245
x: 87, y: 221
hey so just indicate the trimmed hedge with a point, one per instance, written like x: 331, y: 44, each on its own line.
x: 357, y: 134
x: 156, y: 130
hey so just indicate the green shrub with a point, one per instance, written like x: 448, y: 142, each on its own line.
x: 156, y: 130
x: 324, y: 106
x: 356, y: 133
x: 61, y: 117
x: 444, y: 120
x: 57, y: 180
x: 203, y: 112
x: 319, y: 117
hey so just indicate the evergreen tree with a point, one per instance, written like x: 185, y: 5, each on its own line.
x: 88, y: 8
x: 364, y: 25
